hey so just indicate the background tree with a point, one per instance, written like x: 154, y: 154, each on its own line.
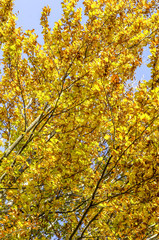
x: 80, y: 146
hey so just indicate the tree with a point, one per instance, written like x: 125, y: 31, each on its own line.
x: 79, y: 145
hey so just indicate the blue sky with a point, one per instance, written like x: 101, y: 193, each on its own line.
x: 29, y: 13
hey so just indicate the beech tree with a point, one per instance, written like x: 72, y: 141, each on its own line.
x: 79, y: 145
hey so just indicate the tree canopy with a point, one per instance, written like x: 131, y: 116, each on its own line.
x: 79, y: 145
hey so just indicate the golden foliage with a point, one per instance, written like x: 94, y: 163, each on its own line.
x: 79, y: 151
